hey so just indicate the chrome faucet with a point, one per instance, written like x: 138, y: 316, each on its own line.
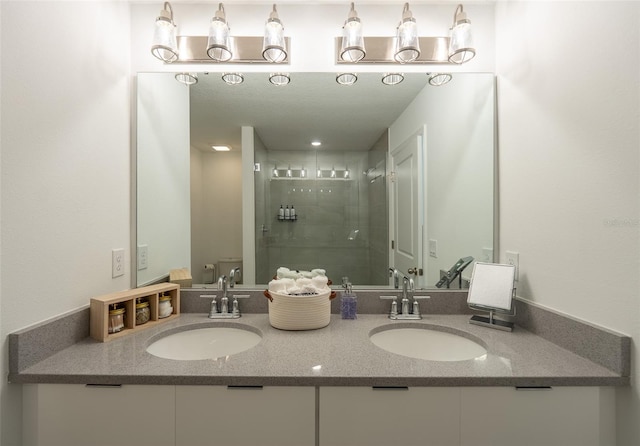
x: 224, y: 302
x: 396, y: 277
x: 232, y: 276
x: 408, y: 287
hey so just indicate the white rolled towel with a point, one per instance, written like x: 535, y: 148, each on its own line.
x: 320, y: 283
x: 302, y: 282
x: 318, y: 272
x: 306, y: 274
x: 282, y: 272
x: 278, y: 286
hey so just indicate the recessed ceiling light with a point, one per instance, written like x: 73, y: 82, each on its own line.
x: 316, y: 143
x: 221, y: 148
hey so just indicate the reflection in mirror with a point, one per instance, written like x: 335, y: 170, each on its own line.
x: 341, y: 224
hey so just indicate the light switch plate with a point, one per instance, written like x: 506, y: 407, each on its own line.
x: 513, y: 258
x: 487, y: 255
x: 433, y: 248
x: 143, y: 257
x: 117, y: 262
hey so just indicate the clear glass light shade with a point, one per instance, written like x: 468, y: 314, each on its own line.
x: 279, y: 79
x: 352, y: 48
x: 392, y: 78
x: 165, y: 43
x: 273, y: 47
x: 218, y: 47
x: 461, y: 48
x: 187, y: 78
x: 407, y: 42
x: 346, y: 78
x: 439, y: 79
x: 233, y: 78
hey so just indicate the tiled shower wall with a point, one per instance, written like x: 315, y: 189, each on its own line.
x: 341, y: 224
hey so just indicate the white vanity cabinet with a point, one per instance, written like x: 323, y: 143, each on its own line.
x: 76, y: 415
x: 245, y: 416
x: 141, y: 415
x: 561, y: 416
x: 366, y: 416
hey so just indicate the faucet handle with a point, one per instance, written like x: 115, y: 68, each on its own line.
x: 394, y: 305
x: 241, y: 296
x: 214, y: 305
x: 235, y: 310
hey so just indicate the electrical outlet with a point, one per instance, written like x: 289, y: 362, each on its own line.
x: 487, y: 255
x: 433, y: 248
x: 143, y: 257
x: 513, y: 258
x: 117, y: 262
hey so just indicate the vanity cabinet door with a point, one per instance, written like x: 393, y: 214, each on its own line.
x: 77, y: 415
x: 561, y: 416
x: 245, y: 416
x: 365, y: 416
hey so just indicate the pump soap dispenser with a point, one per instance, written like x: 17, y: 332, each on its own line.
x: 348, y: 301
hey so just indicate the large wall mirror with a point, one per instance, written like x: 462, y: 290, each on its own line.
x: 404, y: 176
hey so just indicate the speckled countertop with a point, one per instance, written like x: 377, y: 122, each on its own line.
x: 343, y: 350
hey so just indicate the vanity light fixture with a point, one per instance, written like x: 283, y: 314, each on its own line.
x: 275, y: 171
x: 289, y: 173
x: 346, y: 173
x: 352, y: 48
x: 407, y: 42
x: 319, y: 173
x: 303, y: 173
x: 218, y: 47
x: 279, y: 79
x: 392, y: 78
x: 187, y: 78
x: 233, y: 78
x: 461, y: 48
x: 165, y: 43
x: 346, y: 78
x: 439, y: 79
x: 333, y: 172
x: 273, y: 47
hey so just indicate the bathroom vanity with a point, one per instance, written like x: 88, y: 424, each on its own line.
x: 326, y: 387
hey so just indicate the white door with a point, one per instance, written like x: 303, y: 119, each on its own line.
x: 408, y: 204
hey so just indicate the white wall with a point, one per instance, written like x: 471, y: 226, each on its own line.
x: 65, y: 141
x: 568, y: 77
x: 218, y: 232
x: 459, y: 182
x: 163, y: 193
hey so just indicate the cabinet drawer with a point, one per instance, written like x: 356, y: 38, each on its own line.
x: 245, y: 416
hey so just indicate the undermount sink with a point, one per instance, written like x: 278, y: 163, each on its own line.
x: 204, y: 343
x: 427, y: 343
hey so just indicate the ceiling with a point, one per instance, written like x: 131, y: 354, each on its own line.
x: 312, y: 106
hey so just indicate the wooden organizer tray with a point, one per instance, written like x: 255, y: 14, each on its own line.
x: 99, y: 310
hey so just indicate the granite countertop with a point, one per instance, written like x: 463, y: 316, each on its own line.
x: 340, y: 354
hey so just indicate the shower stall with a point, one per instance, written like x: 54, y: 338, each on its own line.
x: 334, y: 213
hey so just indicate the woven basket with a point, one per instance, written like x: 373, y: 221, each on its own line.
x: 299, y: 312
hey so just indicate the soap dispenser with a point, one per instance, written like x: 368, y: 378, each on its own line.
x: 348, y: 301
